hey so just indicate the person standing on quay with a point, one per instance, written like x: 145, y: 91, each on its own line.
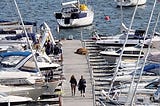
x: 82, y: 86
x: 73, y: 82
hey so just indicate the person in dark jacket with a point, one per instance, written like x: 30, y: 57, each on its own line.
x: 73, y: 82
x: 82, y: 86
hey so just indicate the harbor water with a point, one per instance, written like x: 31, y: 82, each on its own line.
x: 43, y: 10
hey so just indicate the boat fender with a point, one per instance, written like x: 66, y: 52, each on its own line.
x: 83, y: 7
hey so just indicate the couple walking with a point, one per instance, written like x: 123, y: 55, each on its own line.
x: 81, y: 85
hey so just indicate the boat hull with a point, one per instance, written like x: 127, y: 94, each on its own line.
x: 79, y: 22
x: 128, y: 3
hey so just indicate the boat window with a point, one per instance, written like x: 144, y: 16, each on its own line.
x: 42, y: 59
x: 119, y: 51
x: 153, y: 85
x: 11, y: 61
x: 136, y: 52
x: 127, y: 52
x: 138, y: 46
x: 29, y: 66
x: 70, y: 10
x: 110, y: 49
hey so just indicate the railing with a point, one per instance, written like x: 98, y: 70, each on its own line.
x: 91, y: 73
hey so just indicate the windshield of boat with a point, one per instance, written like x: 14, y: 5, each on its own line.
x: 11, y: 61
x: 30, y: 64
x: 119, y: 51
x: 70, y: 10
x: 153, y: 85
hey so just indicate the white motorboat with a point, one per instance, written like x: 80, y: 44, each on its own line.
x: 129, y: 52
x: 134, y: 37
x: 147, y: 88
x: 19, y: 78
x: 127, y: 3
x: 74, y: 14
x: 13, y: 100
x: 118, y: 40
x: 33, y: 91
x: 118, y: 95
x: 24, y: 59
x: 150, y: 72
x: 19, y: 68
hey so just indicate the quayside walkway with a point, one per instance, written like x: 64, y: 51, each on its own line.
x: 75, y: 64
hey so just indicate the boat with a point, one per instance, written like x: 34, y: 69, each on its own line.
x: 118, y: 95
x: 134, y: 37
x: 19, y: 65
x: 3, y: 49
x: 127, y: 3
x: 148, y: 87
x: 129, y: 52
x: 150, y: 72
x: 154, y: 57
x: 74, y: 14
x: 7, y: 100
x: 33, y: 92
x: 119, y: 39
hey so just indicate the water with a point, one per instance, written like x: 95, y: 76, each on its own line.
x: 43, y: 10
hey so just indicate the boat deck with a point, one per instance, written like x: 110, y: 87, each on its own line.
x: 75, y: 64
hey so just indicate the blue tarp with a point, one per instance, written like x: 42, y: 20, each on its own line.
x: 151, y: 66
x: 15, y: 53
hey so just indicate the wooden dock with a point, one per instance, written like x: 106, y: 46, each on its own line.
x: 75, y: 64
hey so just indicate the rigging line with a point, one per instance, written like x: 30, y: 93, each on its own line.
x: 120, y: 58
x: 26, y: 35
x: 147, y: 53
x: 148, y: 50
x: 134, y: 74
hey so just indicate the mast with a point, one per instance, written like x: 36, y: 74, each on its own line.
x: 138, y: 61
x: 148, y: 50
x: 120, y: 58
x: 26, y: 35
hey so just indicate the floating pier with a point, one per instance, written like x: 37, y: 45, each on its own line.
x: 75, y: 64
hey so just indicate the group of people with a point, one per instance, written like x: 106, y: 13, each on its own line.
x: 53, y: 49
x: 81, y: 85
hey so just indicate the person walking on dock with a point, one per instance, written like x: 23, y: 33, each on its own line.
x: 82, y: 86
x: 73, y: 82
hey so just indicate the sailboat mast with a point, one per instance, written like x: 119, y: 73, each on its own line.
x: 138, y: 60
x: 26, y: 35
x: 120, y: 58
x: 147, y: 53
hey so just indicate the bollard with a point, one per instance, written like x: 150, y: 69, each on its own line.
x: 60, y: 100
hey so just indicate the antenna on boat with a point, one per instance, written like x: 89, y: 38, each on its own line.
x: 26, y: 35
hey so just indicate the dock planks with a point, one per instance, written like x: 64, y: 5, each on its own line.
x: 77, y: 65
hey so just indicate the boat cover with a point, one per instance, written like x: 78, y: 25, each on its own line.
x: 19, y: 36
x: 151, y: 66
x: 15, y: 53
